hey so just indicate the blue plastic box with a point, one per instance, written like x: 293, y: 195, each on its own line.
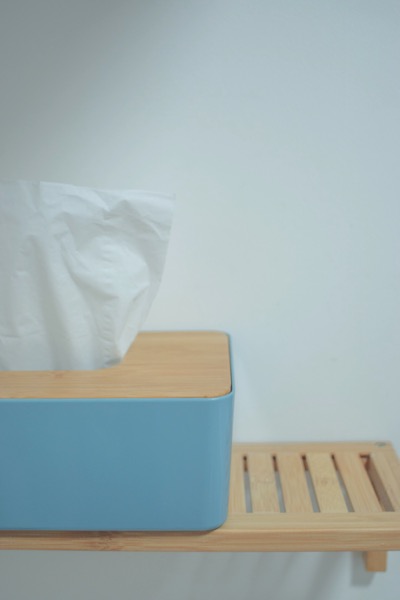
x: 141, y: 446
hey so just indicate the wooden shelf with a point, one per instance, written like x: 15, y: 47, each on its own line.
x: 284, y: 498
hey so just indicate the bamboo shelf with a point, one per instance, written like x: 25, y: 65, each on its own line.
x: 283, y: 498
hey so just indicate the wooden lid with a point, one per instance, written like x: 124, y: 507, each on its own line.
x: 158, y: 365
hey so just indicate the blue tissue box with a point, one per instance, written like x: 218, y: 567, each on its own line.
x: 144, y: 445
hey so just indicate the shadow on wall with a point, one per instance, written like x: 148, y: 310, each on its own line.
x: 100, y: 576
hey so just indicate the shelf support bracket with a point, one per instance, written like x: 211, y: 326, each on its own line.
x: 375, y: 561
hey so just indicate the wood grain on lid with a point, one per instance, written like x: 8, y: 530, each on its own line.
x: 158, y: 365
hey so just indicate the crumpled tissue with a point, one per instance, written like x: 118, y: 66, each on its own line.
x: 79, y: 269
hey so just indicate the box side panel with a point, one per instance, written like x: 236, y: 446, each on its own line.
x: 115, y: 464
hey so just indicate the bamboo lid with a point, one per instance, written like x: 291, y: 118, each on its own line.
x: 158, y: 365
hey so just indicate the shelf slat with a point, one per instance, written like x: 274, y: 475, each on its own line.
x: 237, y: 497
x: 294, y: 484
x: 264, y: 497
x: 326, y: 485
x: 386, y: 484
x: 357, y: 482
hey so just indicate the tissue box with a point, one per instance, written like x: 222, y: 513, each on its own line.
x: 144, y: 445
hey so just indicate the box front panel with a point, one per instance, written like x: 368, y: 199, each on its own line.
x: 116, y: 464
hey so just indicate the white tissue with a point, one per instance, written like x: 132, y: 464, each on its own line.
x: 79, y: 268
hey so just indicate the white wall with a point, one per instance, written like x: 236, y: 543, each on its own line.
x: 276, y: 123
